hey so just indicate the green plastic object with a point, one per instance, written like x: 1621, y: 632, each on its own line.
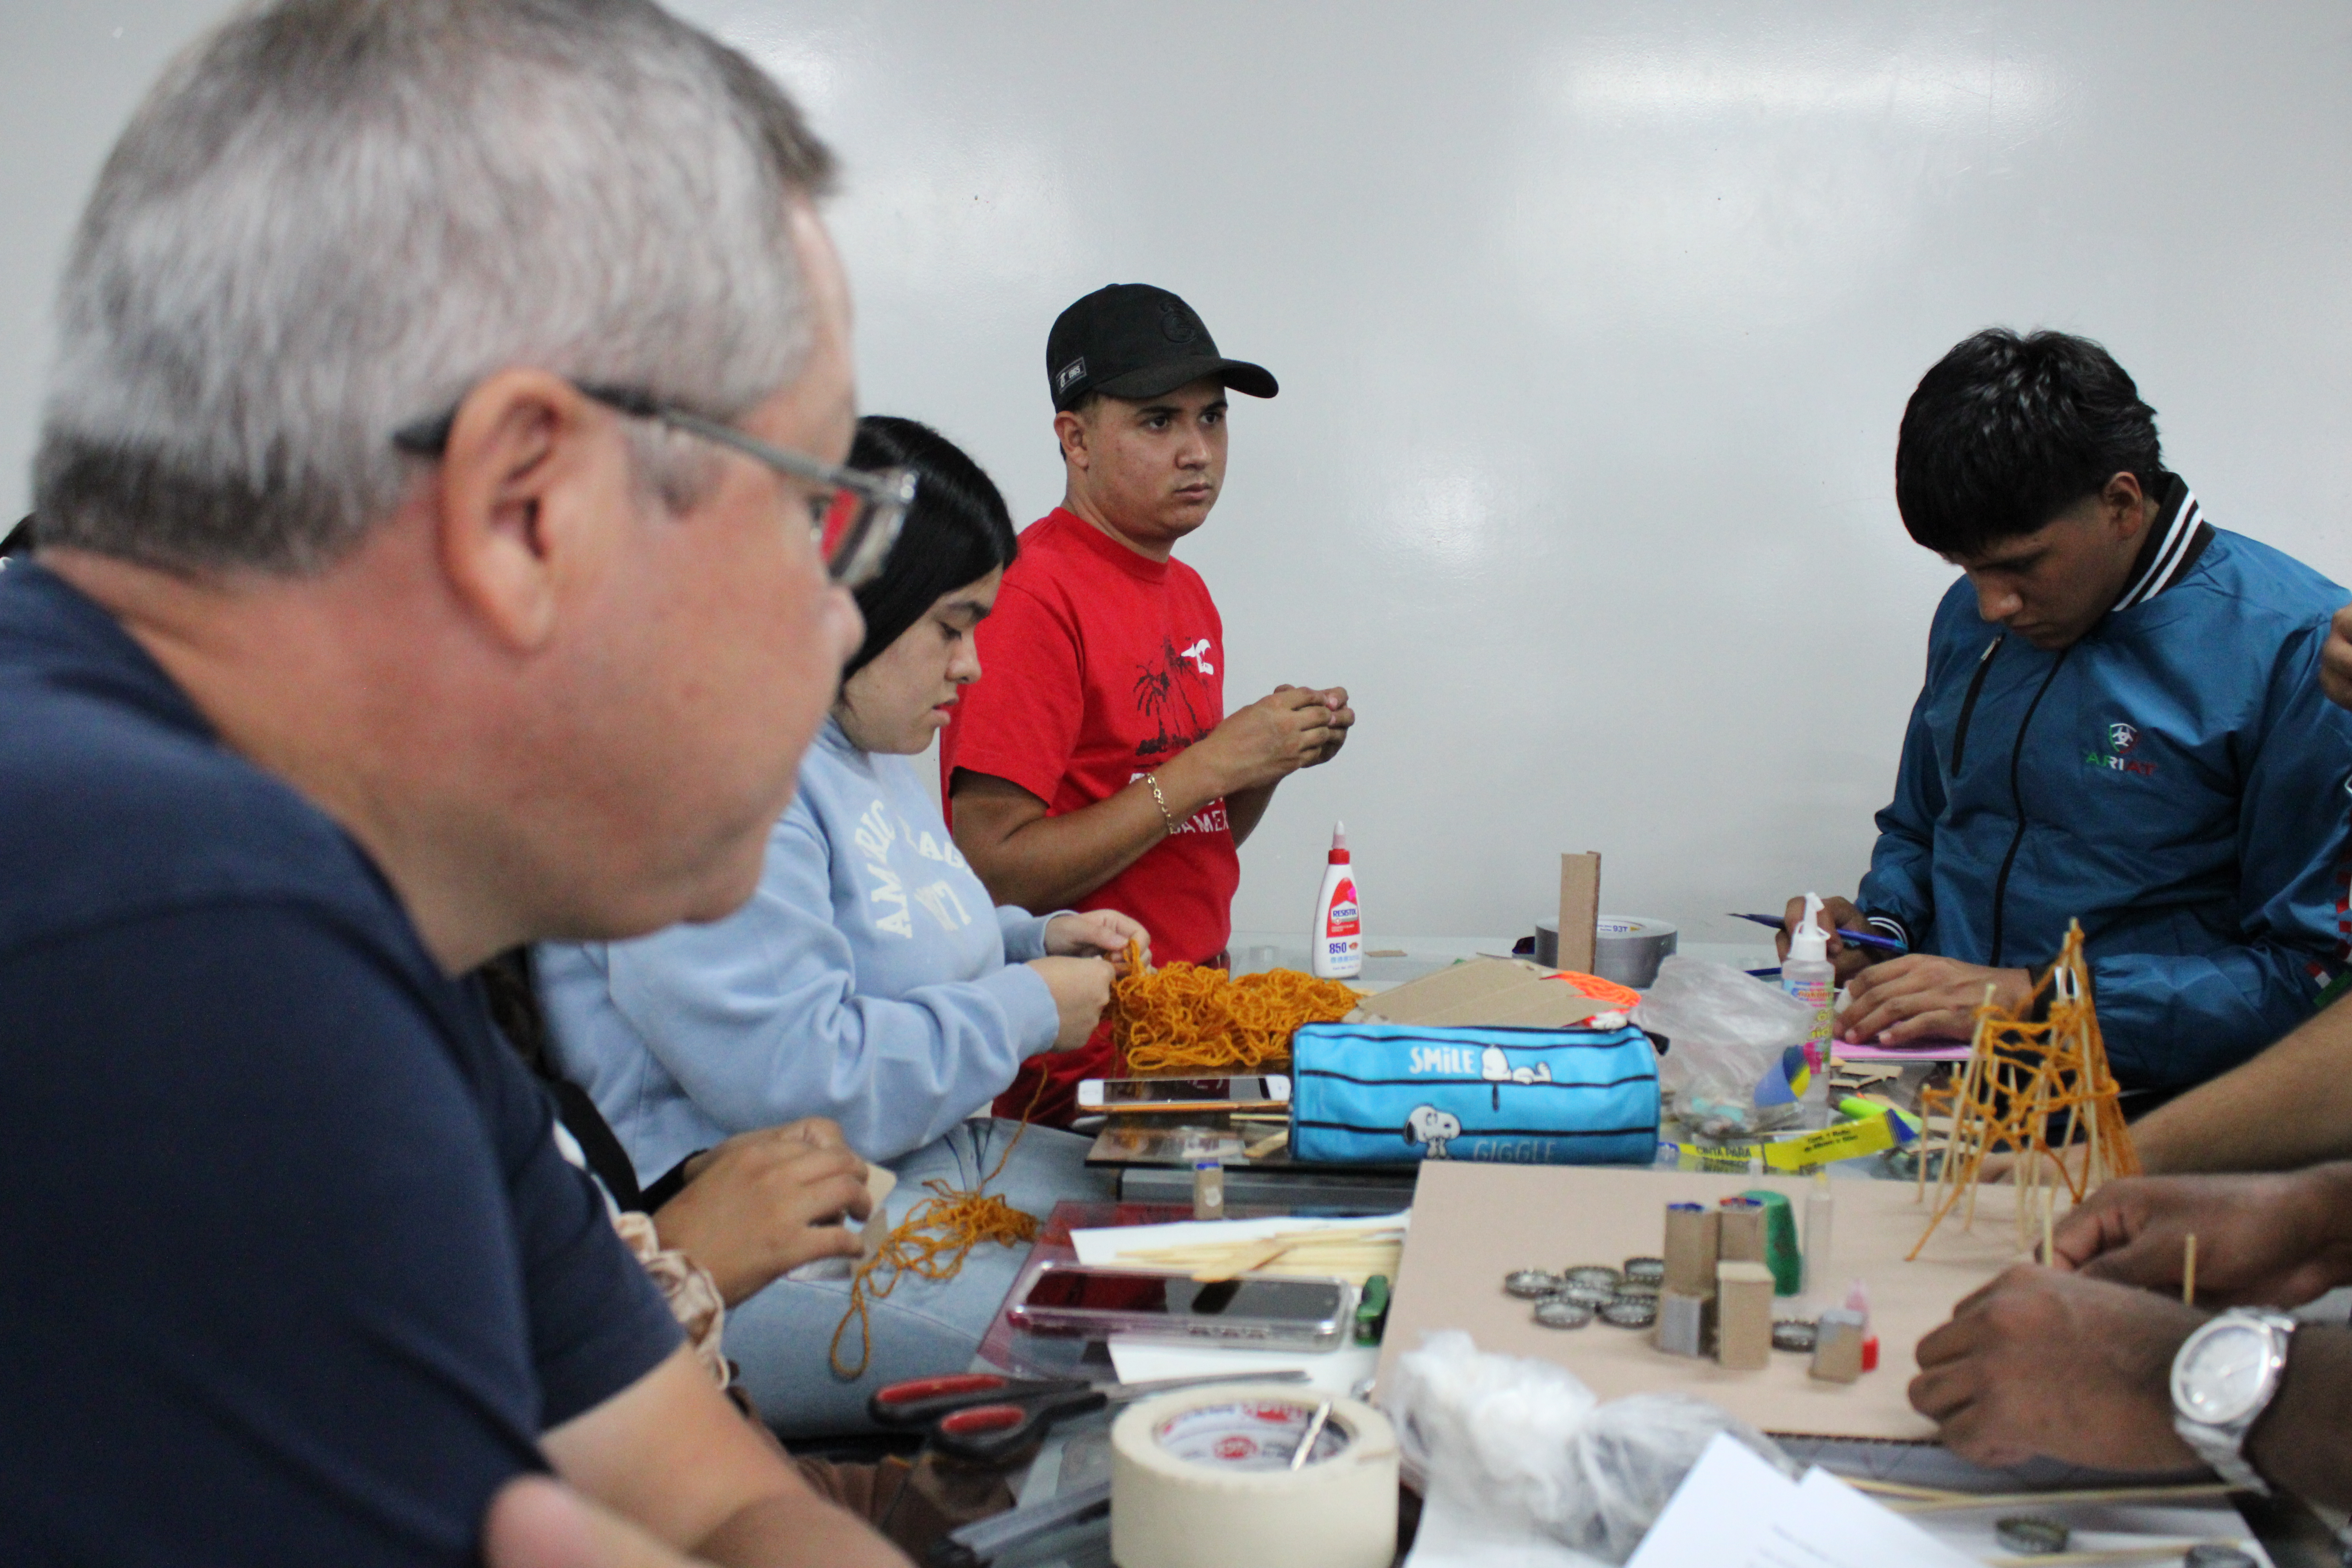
x: 1780, y: 1252
x: 1373, y: 1310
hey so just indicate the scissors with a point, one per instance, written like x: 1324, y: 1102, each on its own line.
x: 986, y: 1416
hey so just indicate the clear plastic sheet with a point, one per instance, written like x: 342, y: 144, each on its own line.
x: 1725, y: 1030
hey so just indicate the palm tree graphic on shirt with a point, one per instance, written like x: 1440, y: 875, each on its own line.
x: 1164, y: 695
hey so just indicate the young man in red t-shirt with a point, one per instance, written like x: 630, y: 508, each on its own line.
x: 1094, y: 765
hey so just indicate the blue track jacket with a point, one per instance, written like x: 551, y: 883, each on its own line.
x: 2176, y: 780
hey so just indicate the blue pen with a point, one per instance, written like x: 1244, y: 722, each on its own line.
x: 1859, y: 938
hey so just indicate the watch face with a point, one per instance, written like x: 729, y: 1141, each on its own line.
x: 2223, y: 1380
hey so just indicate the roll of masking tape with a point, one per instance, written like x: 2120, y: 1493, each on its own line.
x: 1203, y: 1477
x: 1628, y: 948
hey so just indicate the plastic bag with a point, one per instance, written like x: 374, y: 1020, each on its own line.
x: 1523, y: 1468
x: 1725, y: 1031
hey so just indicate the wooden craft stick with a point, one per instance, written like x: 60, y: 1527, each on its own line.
x: 1242, y: 1262
x: 2188, y: 1270
x: 1267, y: 1145
x: 2020, y: 1073
x: 1953, y: 1502
x: 2173, y: 1551
x: 1900, y: 1490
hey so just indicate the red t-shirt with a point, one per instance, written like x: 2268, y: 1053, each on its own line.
x: 1097, y: 666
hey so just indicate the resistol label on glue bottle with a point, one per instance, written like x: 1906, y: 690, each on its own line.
x: 1335, y: 948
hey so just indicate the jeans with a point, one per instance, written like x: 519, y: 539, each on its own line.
x: 779, y: 1338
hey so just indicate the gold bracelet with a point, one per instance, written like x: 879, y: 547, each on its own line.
x: 1151, y: 782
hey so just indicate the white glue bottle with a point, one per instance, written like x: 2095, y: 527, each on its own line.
x: 1335, y: 949
x: 1808, y: 975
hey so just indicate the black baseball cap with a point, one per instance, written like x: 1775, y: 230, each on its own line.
x: 1131, y: 339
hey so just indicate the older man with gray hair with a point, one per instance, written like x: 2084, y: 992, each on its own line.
x: 440, y: 547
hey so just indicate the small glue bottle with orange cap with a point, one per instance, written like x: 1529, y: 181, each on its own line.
x: 1335, y: 949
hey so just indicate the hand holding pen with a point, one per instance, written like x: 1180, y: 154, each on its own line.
x: 1857, y: 938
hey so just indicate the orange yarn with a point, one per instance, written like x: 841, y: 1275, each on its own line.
x: 1187, y: 1019
x: 957, y: 1221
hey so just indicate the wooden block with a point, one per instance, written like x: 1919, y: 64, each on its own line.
x: 880, y: 1181
x: 1837, y: 1346
x: 1682, y: 1323
x: 1580, y: 910
x: 1742, y: 1232
x: 1743, y: 1316
x: 1692, y: 1237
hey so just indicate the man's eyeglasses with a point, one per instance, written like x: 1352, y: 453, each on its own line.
x: 855, y: 516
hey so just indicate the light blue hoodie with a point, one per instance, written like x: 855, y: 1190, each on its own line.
x: 869, y: 979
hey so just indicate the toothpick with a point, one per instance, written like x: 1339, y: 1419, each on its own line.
x: 2049, y: 1225
x: 2188, y: 1270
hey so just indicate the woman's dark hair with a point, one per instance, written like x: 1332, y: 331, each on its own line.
x: 958, y: 531
x: 2007, y: 432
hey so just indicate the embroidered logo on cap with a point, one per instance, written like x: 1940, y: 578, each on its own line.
x: 1070, y: 375
x: 1176, y: 322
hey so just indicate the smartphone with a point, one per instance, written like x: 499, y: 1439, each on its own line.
x: 1260, y: 1314
x: 1269, y: 1092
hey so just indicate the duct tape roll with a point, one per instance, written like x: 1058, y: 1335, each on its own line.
x: 1628, y: 948
x: 1202, y: 1478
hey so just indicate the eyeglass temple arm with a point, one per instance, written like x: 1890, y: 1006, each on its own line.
x: 630, y: 401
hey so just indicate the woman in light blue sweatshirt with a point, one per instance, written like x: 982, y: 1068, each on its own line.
x: 870, y: 980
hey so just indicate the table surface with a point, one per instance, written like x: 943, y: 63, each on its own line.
x: 2291, y: 1534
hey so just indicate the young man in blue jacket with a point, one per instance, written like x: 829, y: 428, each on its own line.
x: 2122, y: 723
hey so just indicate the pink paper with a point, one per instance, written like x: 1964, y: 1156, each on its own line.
x: 1916, y: 1051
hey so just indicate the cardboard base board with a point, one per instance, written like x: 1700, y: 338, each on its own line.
x: 1473, y: 1223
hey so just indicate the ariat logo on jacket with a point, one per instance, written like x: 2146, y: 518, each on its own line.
x: 2121, y: 738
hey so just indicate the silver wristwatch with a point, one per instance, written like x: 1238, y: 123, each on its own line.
x: 2222, y: 1381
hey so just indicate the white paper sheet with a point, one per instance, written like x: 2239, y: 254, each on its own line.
x: 1719, y: 1512
x: 1339, y: 1372
x: 1825, y: 1523
x: 1734, y: 1511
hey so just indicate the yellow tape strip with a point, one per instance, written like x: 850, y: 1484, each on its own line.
x: 1849, y: 1142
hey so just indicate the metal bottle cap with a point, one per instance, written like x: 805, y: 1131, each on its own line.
x: 1630, y: 1314
x: 2031, y: 1535
x: 1532, y: 1284
x: 1560, y: 1312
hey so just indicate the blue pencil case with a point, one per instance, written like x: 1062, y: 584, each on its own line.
x: 1378, y: 1093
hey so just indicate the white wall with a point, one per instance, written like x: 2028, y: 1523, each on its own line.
x: 1594, y: 323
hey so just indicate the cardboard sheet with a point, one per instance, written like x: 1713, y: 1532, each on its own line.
x: 1506, y: 991
x: 1580, y: 910
x: 1473, y: 1223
